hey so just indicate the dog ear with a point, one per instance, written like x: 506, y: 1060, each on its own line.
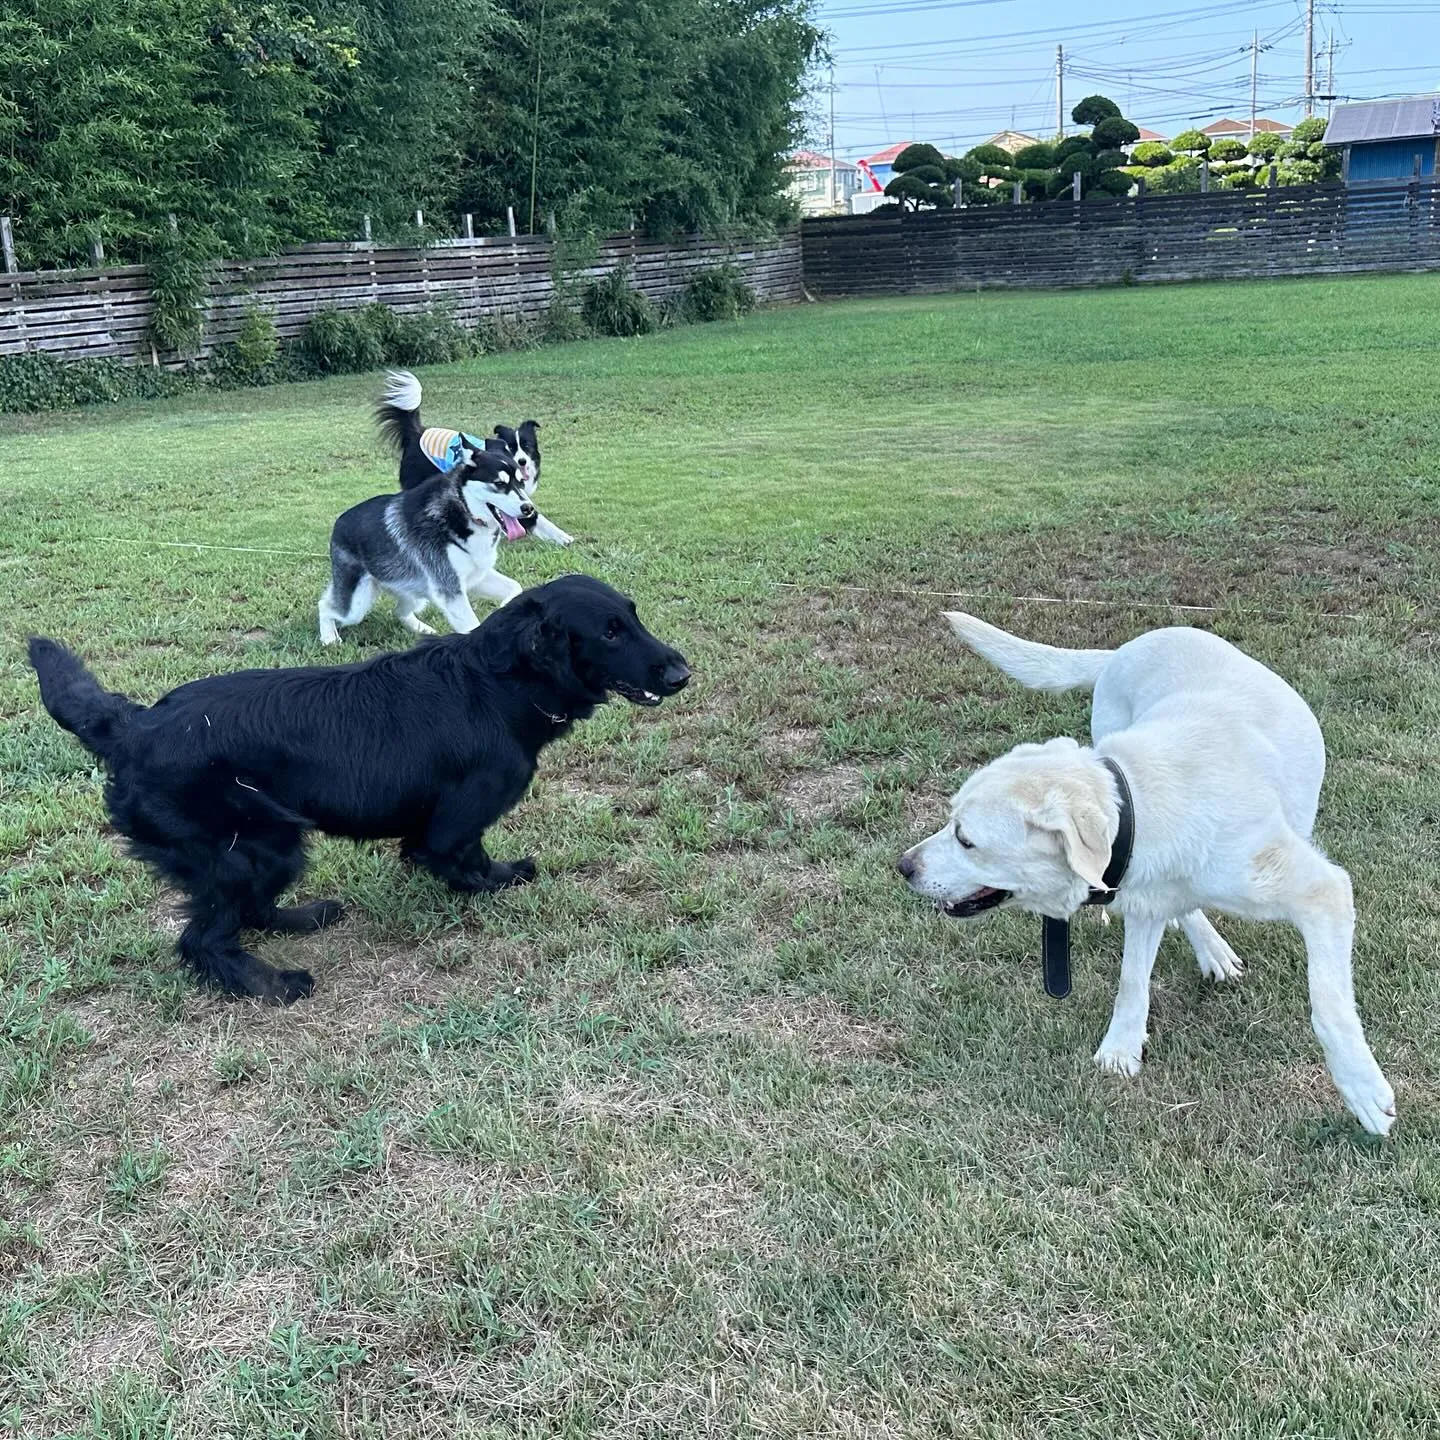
x: 1083, y: 831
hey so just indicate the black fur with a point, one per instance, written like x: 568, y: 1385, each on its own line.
x: 217, y: 783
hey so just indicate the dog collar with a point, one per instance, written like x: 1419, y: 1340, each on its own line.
x: 553, y: 719
x: 1055, y: 934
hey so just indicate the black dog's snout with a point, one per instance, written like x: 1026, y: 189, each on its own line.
x: 677, y: 674
x: 906, y: 866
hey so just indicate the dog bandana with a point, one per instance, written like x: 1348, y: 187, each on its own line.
x: 1055, y: 934
x: 444, y: 449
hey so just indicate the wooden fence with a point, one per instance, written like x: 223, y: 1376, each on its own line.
x: 77, y: 313
x: 1290, y: 230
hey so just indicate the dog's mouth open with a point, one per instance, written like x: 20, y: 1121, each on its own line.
x: 976, y: 903
x: 513, y: 528
x: 636, y: 696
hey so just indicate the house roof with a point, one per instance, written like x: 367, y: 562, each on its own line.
x: 885, y: 156
x: 814, y: 160
x: 1012, y: 140
x: 1415, y: 117
x: 1263, y: 126
x: 1151, y: 135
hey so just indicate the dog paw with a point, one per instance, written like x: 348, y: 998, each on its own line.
x: 320, y: 913
x: 506, y: 875
x: 419, y: 627
x: 290, y: 986
x: 1371, y: 1101
x: 330, y: 636
x: 522, y: 871
x: 1118, y: 1058
x: 561, y: 538
x: 1218, y: 962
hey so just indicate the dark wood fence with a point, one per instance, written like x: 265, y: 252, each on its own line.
x: 1289, y: 230
x: 76, y: 313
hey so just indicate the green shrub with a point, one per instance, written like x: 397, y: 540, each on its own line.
x: 1191, y: 142
x: 1300, y: 172
x: 561, y: 322
x: 914, y: 156
x: 989, y: 156
x: 1095, y: 110
x: 343, y: 341
x: 1110, y: 182
x: 612, y: 306
x: 1035, y: 157
x: 1265, y: 146
x: 1075, y: 145
x: 257, y: 345
x: 496, y: 334
x: 719, y: 292
x: 1307, y: 132
x: 1180, y: 177
x: 1238, y: 179
x: 37, y: 381
x: 1115, y: 133
x: 1111, y: 160
x: 1151, y: 153
x: 179, y: 266
x: 1227, y: 150
x: 423, y: 337
x: 963, y: 168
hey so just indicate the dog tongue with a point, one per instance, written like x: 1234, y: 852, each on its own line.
x: 513, y: 528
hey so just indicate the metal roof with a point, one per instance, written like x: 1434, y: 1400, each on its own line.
x: 1417, y: 117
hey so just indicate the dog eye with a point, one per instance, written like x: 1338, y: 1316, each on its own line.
x: 614, y: 630
x: 962, y: 842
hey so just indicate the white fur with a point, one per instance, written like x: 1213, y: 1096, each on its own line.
x: 402, y: 390
x: 1225, y: 763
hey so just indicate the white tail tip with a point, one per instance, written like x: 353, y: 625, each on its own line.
x: 402, y: 390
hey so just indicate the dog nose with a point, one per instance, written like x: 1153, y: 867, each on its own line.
x: 906, y: 866
x: 527, y: 511
x: 677, y: 674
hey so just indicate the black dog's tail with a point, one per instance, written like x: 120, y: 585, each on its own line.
x: 76, y: 701
x: 398, y: 413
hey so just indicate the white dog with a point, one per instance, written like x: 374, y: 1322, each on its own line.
x: 1224, y: 763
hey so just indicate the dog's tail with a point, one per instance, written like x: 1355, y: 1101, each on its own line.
x: 398, y: 413
x: 94, y: 716
x: 1040, y: 667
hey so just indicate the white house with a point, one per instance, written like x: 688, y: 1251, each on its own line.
x: 811, y: 175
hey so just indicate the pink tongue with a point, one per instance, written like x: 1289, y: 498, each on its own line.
x: 513, y: 528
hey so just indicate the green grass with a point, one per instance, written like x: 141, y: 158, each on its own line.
x: 716, y: 1130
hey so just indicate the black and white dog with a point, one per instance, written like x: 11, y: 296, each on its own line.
x: 433, y: 544
x: 424, y: 452
x: 217, y: 784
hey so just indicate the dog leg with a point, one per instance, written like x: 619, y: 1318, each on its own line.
x: 497, y: 587
x: 407, y: 612
x: 545, y: 530
x: 1218, y: 961
x: 474, y: 871
x: 210, y: 945
x: 300, y: 919
x: 452, y: 845
x: 458, y: 611
x: 346, y: 601
x: 1323, y: 909
x: 1124, y: 1044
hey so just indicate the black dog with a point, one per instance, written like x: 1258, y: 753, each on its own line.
x: 216, y: 783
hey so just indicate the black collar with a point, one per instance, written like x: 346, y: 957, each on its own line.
x: 1055, y: 934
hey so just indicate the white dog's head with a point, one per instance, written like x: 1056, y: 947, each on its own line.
x: 1032, y: 829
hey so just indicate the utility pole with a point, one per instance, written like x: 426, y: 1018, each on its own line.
x: 1060, y: 91
x: 1330, y: 77
x: 1309, y: 58
x: 1254, y: 78
x: 834, y: 192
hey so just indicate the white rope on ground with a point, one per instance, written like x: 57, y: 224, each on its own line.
x: 848, y: 589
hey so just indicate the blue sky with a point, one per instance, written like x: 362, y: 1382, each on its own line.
x: 955, y: 73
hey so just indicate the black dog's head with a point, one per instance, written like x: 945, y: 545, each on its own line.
x: 523, y: 447
x: 584, y: 641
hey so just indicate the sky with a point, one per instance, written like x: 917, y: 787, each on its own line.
x: 956, y: 73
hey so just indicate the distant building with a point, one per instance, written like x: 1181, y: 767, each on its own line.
x: 1386, y: 139
x: 882, y: 163
x: 810, y: 183
x: 1148, y: 137
x: 1013, y: 141
x: 1228, y: 129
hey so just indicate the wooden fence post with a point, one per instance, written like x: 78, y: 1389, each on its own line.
x: 469, y: 226
x: 366, y: 229
x: 1274, y: 175
x: 510, y: 220
x: 959, y: 194
x: 97, y: 249
x: 1204, y: 177
x: 1075, y: 186
x: 419, y: 219
x: 1015, y: 194
x: 7, y: 242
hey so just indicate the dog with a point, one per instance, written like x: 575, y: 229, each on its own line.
x: 423, y: 451
x: 434, y: 544
x: 217, y: 784
x: 1224, y: 763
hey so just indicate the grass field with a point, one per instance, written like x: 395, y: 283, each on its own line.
x: 716, y: 1130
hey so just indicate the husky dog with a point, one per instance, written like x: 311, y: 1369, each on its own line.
x: 433, y: 544
x: 424, y: 451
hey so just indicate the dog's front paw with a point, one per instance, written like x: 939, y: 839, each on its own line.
x: 560, y: 537
x: 1119, y: 1057
x: 518, y: 872
x: 1370, y: 1099
x: 1218, y: 962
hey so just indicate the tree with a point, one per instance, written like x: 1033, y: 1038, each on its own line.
x: 1035, y: 157
x: 1191, y: 142
x: 1094, y: 109
x: 1225, y: 151
x: 989, y: 157
x: 912, y: 191
x: 1114, y: 132
x: 1151, y: 152
x: 1180, y: 177
x: 1307, y: 132
x: 1264, y: 146
x: 913, y: 156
